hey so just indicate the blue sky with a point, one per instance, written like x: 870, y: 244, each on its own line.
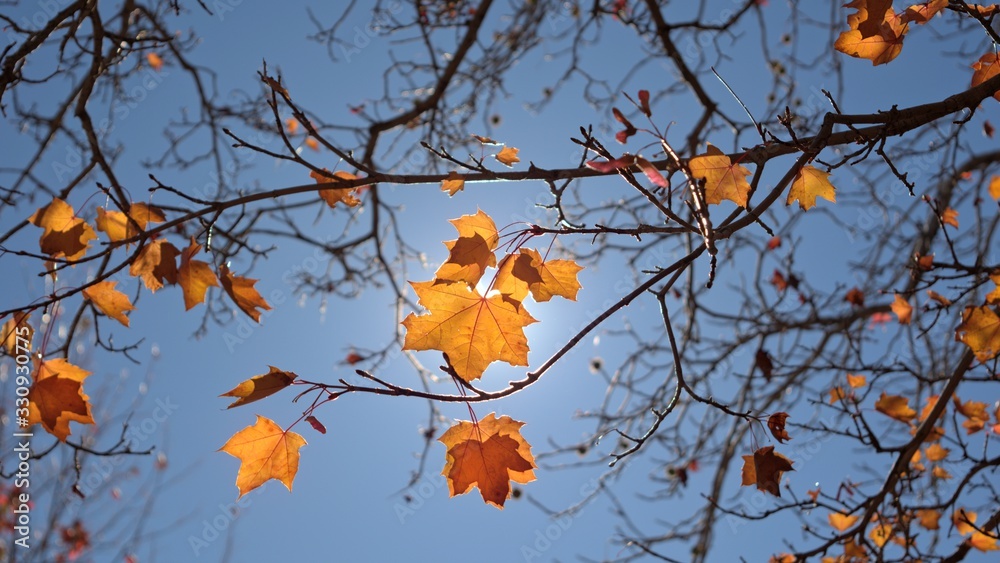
x: 349, y: 501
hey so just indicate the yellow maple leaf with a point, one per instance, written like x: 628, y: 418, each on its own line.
x: 508, y: 156
x: 895, y: 406
x: 881, y: 534
x: 923, y: 12
x: 935, y: 452
x: 242, y: 292
x: 877, y: 37
x: 980, y: 331
x: 855, y: 381
x: 453, y: 184
x: 544, y: 279
x: 56, y: 398
x: 194, y: 276
x: 901, y: 307
x: 472, y: 330
x: 109, y: 300
x: 489, y: 455
x: 723, y: 179
x: 117, y: 225
x: 841, y: 522
x: 260, y: 386
x: 65, y: 235
x: 265, y: 452
x: 982, y: 542
x: 928, y: 518
x: 810, y: 183
x: 472, y: 252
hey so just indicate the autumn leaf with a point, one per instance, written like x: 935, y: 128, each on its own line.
x: 333, y: 196
x: 156, y: 264
x: 57, y: 398
x: 810, y: 183
x: 527, y: 272
x: 453, y: 184
x: 316, y: 424
x: 880, y: 534
x: 855, y: 297
x: 723, y: 179
x: 922, y: 13
x: 982, y: 542
x: 856, y: 381
x: 764, y: 469
x: 950, y: 217
x: 928, y: 518
x: 472, y: 330
x: 902, y: 309
x: 980, y: 331
x: 895, y: 406
x: 109, y: 300
x: 194, y: 276
x: 985, y: 68
x: 265, y: 452
x: 876, y: 36
x: 260, y: 386
x: 508, y: 156
x: 117, y: 225
x: 974, y: 412
x: 926, y: 262
x: 65, y: 235
x: 16, y: 334
x: 944, y: 301
x: 776, y: 424
x: 994, y: 187
x: 652, y: 174
x: 312, y: 144
x: 488, y: 455
x: 155, y: 61
x: 484, y: 140
x: 472, y: 252
x: 837, y: 394
x: 963, y: 520
x: 762, y: 361
x: 841, y: 522
x: 935, y: 452
x: 242, y: 292
x: 773, y: 242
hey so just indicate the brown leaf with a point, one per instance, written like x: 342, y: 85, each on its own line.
x: 764, y: 468
x: 776, y: 424
x: 242, y: 292
x: 855, y: 297
x: 333, y: 196
x: 56, y: 398
x: 156, y: 265
x: 260, y: 386
x: 488, y: 455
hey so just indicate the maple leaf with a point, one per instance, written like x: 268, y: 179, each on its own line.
x: 57, y: 398
x: 527, y: 272
x: 265, y: 452
x: 855, y: 297
x: 974, y: 413
x: 65, y: 235
x: 109, y: 300
x: 242, y: 292
x: 928, y: 518
x: 488, y: 455
x: 895, y: 406
x: 841, y: 522
x: 453, y: 184
x: 983, y: 542
x: 194, y: 276
x: 508, y: 156
x: 963, y: 520
x: 723, y: 179
x: 155, y: 61
x: 925, y: 263
x: 980, y: 331
x: 764, y: 469
x: 837, y: 394
x: 260, y: 386
x: 156, y: 264
x: 810, y: 183
x: 985, y: 68
x: 472, y: 330
x: 950, y: 217
x: 876, y: 35
x: 902, y: 309
x: 922, y: 13
x: 333, y: 196
x: 776, y: 424
x: 856, y: 381
x: 16, y: 330
x: 472, y: 252
x: 117, y: 225
x: 881, y: 534
x: 994, y: 187
x: 936, y: 453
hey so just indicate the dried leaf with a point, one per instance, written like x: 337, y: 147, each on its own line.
x: 16, y: 334
x: 776, y: 424
x: 56, y: 398
x: 260, y: 386
x: 985, y: 68
x: 895, y: 406
x: 472, y: 252
x: 333, y: 196
x: 155, y: 61
x: 876, y: 36
x: 194, y: 276
x: 902, y: 308
x: 109, y: 300
x: 242, y: 292
x: 156, y: 264
x: 841, y: 522
x: 950, y: 217
x: 65, y: 235
x: 764, y: 468
x: 265, y: 452
x: 980, y: 331
x: 856, y: 381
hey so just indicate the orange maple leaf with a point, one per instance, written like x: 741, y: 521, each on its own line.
x: 776, y: 424
x: 980, y: 330
x: 881, y: 534
x: 16, y: 334
x: 265, y: 452
x: 922, y: 13
x: 117, y: 225
x: 472, y: 252
x: 527, y: 271
x: 332, y: 196
x: 65, y: 235
x: 453, y: 184
x: 242, y: 292
x: 156, y: 264
x: 876, y: 35
x: 856, y: 381
x: 928, y: 518
x: 994, y: 187
x: 810, y: 183
x: 508, y: 156
x: 950, y: 217
x: 902, y: 309
x: 723, y: 179
x: 57, y: 397
x: 489, y: 455
x: 841, y: 522
x: 155, y: 61
x: 985, y: 68
x: 895, y: 406
x: 194, y: 276
x: 935, y: 452
x: 472, y: 330
x: 974, y: 412
x: 260, y: 386
x: 764, y: 469
x: 109, y: 300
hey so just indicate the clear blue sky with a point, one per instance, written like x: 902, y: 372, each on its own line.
x: 347, y: 504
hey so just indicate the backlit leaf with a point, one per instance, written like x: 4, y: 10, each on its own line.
x: 508, y: 156
x: 901, y: 307
x: 895, y: 406
x: 810, y: 183
x: 776, y: 424
x: 242, y: 292
x: 265, y: 452
x: 333, y: 196
x: 453, y: 184
x: 260, y: 386
x: 156, y: 264
x: 764, y: 469
x: 841, y: 522
x: 65, y: 235
x: 56, y: 398
x: 472, y: 252
x: 723, y: 179
x: 980, y: 331
x: 194, y: 276
x: 985, y: 68
x: 109, y: 300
